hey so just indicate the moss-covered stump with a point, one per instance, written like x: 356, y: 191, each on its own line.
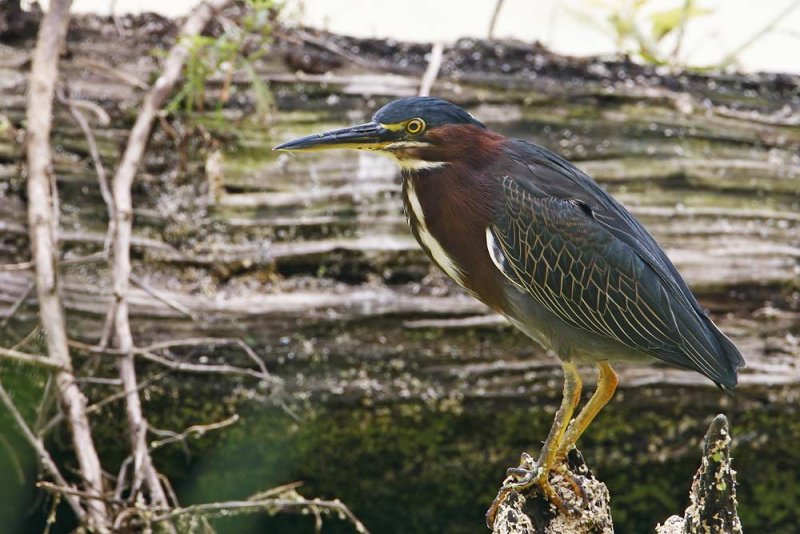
x: 713, y: 495
x: 529, y: 512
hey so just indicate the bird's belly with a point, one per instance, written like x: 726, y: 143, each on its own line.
x: 567, y: 341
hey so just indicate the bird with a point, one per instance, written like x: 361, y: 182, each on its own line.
x: 537, y: 240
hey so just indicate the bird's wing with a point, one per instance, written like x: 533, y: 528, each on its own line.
x: 583, y: 257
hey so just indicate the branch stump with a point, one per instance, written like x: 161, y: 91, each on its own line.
x: 712, y: 498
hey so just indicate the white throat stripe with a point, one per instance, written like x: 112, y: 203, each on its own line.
x: 442, y: 259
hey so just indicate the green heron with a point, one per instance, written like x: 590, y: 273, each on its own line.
x: 536, y: 239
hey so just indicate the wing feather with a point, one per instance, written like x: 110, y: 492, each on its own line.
x: 582, y: 256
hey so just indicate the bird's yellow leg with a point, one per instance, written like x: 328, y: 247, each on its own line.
x: 530, y: 474
x: 571, y: 398
x: 606, y: 385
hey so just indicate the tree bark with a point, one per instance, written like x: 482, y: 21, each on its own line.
x: 43, y: 227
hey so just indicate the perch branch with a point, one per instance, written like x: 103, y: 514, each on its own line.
x: 529, y: 512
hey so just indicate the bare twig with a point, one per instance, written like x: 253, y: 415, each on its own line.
x: 51, y: 517
x: 201, y: 368
x: 123, y: 220
x: 195, y: 431
x: 32, y: 359
x: 687, y: 8
x: 121, y: 479
x: 148, y: 353
x: 108, y: 327
x: 35, y: 331
x: 23, y: 266
x: 18, y: 303
x: 44, y: 456
x: 68, y: 490
x: 296, y: 502
x: 48, y: 397
x: 211, y: 341
x: 434, y: 64
x: 495, y: 14
x: 43, y: 240
x: 105, y: 190
x: 118, y: 74
x: 163, y: 297
x: 338, y: 50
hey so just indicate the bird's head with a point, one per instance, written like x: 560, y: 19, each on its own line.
x: 419, y: 132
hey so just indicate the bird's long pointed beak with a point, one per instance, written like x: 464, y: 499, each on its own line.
x: 363, y: 136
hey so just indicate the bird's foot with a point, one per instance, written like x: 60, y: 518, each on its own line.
x: 574, y: 483
x: 529, y: 475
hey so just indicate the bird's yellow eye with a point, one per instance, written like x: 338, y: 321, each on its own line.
x: 415, y: 126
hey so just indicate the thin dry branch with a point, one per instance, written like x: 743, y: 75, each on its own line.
x: 18, y: 303
x: 11, y: 267
x: 271, y: 505
x: 163, y: 297
x: 32, y: 359
x: 332, y: 47
x: 194, y: 431
x: 202, y: 368
x: 148, y: 353
x: 211, y: 341
x: 123, y: 226
x: 102, y: 179
x: 432, y: 71
x: 97, y: 406
x: 43, y: 247
x: 44, y: 456
x: 498, y: 6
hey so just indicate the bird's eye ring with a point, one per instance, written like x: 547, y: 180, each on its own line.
x: 415, y: 126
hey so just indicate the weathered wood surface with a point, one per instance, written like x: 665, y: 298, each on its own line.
x: 309, y: 257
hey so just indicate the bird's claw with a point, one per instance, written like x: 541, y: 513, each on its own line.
x: 528, y: 475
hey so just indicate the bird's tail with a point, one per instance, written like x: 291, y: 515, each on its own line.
x: 732, y: 356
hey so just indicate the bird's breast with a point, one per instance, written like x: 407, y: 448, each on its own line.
x: 448, y: 216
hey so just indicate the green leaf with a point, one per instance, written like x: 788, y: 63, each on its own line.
x: 665, y: 22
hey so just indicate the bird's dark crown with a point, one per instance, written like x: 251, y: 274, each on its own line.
x: 434, y: 111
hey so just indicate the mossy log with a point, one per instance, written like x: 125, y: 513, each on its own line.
x: 314, y: 250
